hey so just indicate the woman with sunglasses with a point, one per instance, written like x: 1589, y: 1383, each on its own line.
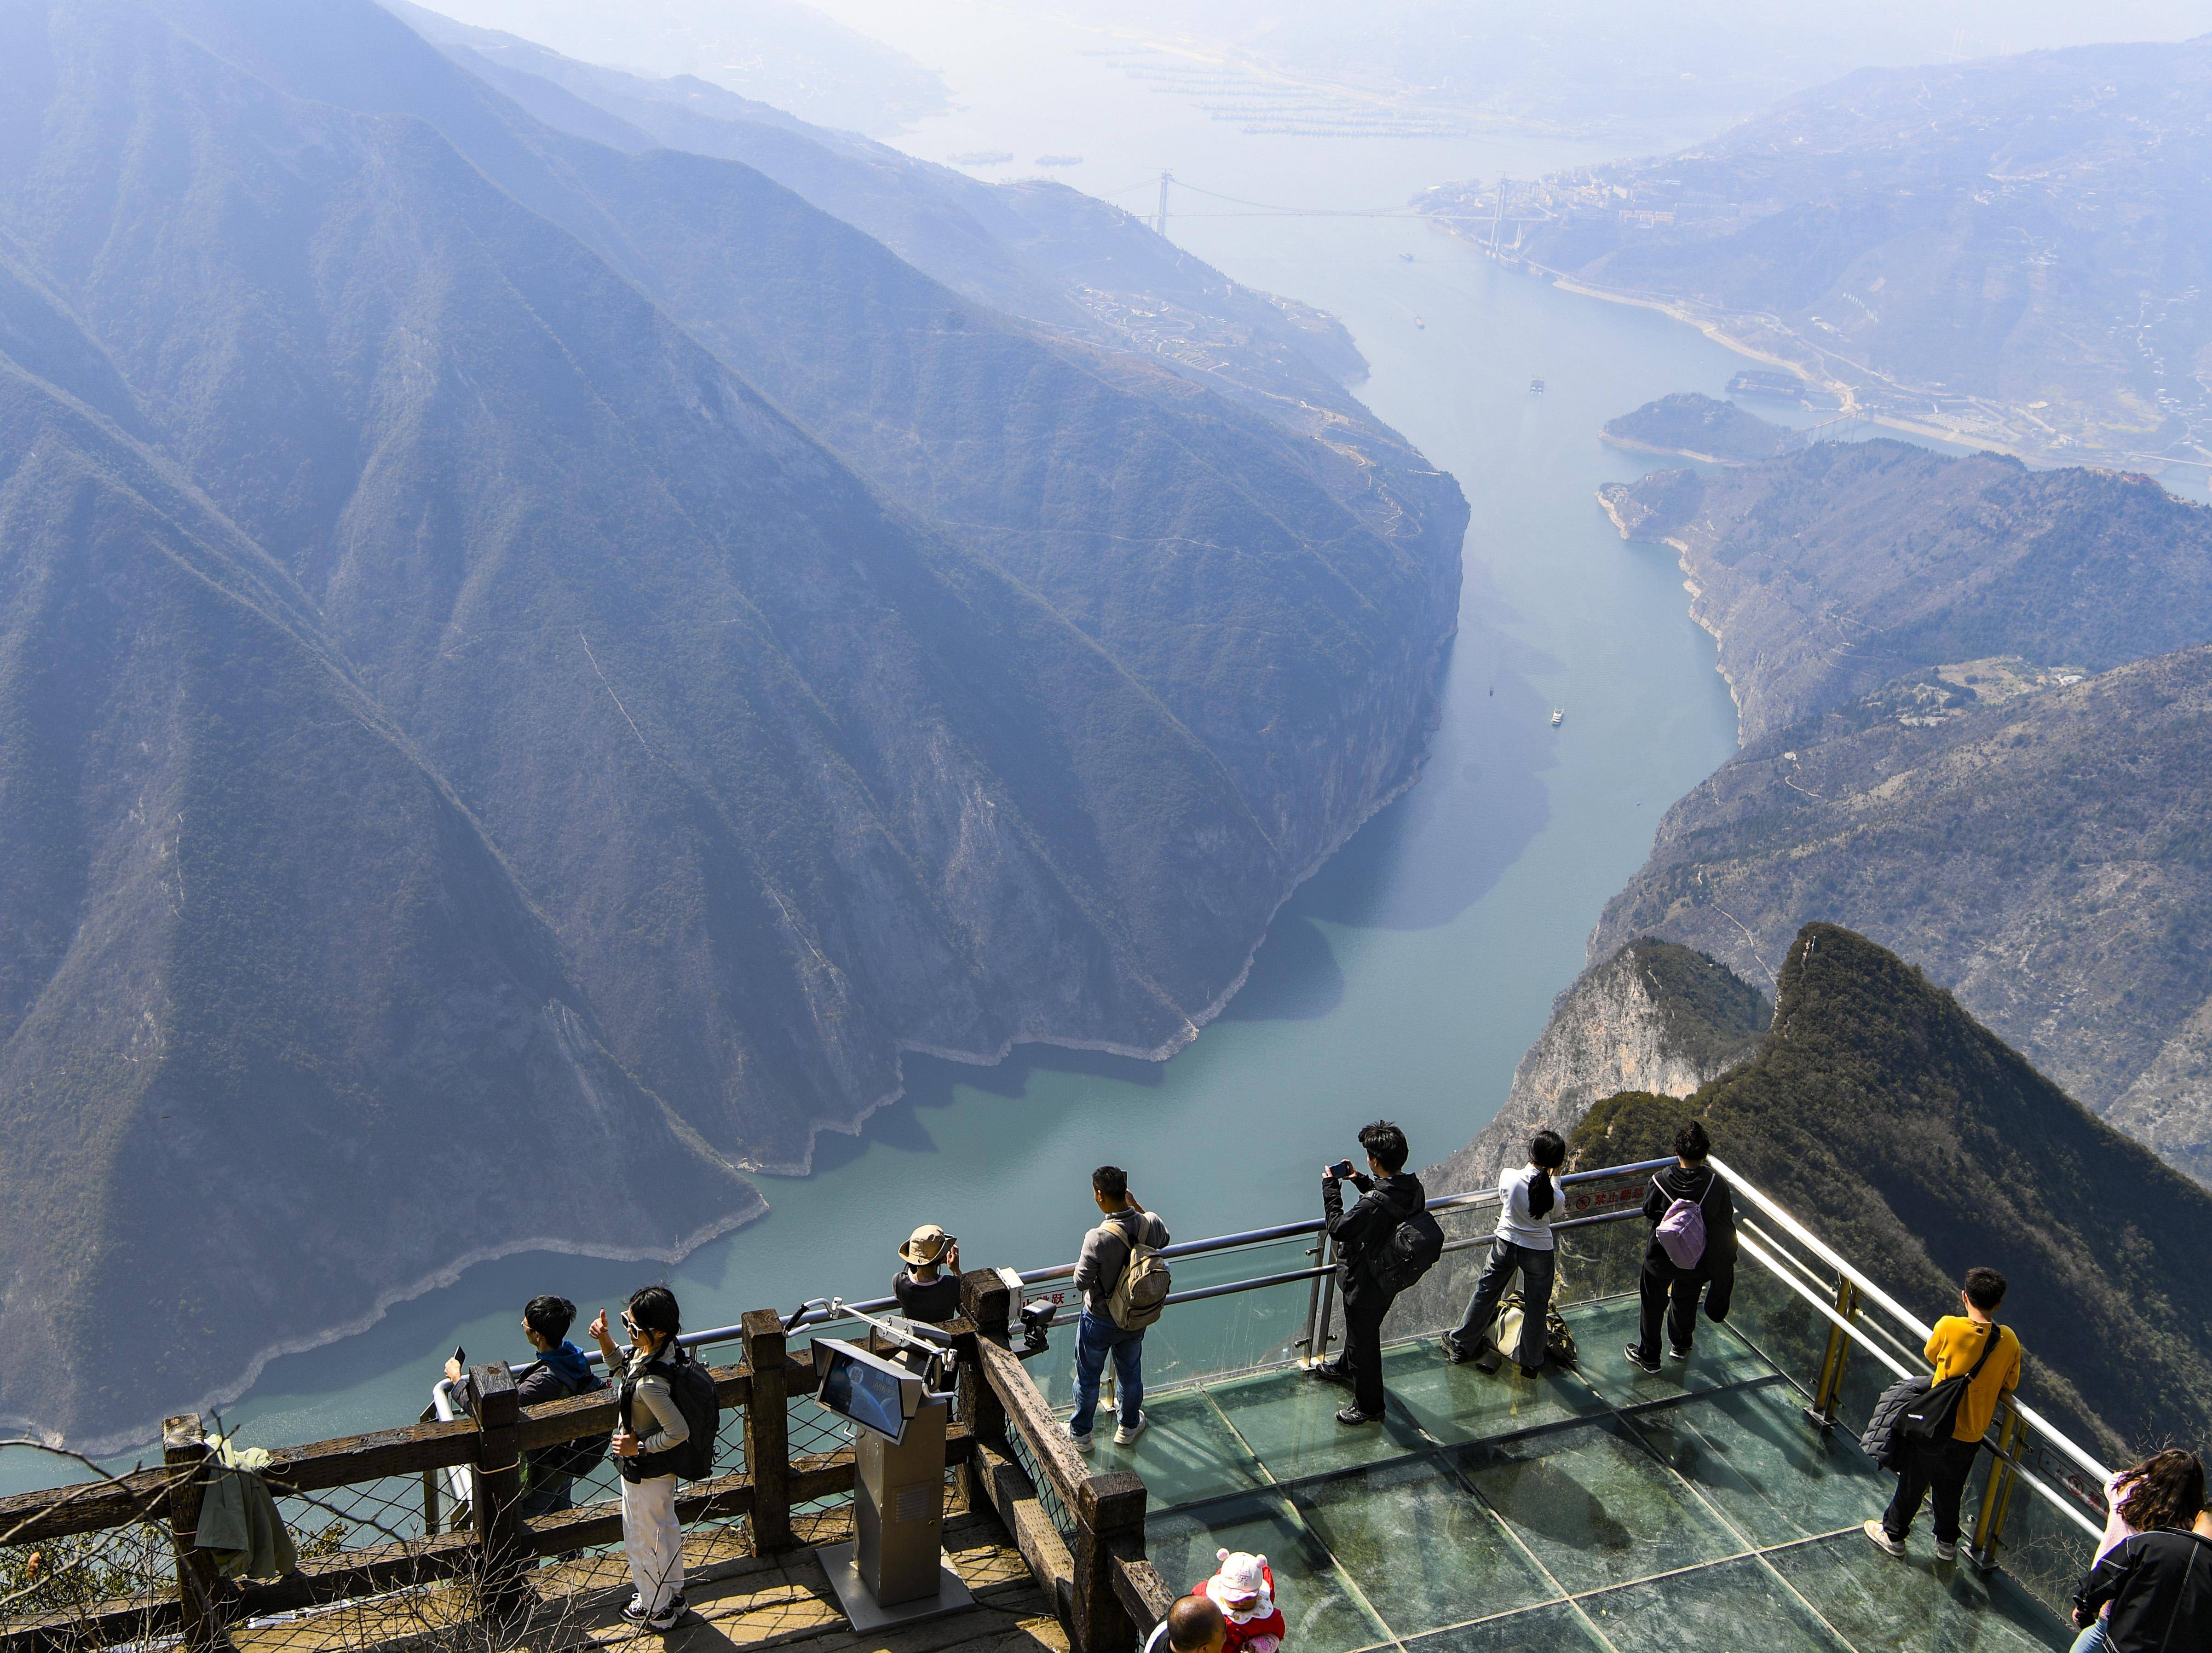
x: 652, y: 1540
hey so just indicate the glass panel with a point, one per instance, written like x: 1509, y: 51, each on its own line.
x: 1719, y: 1358
x: 1189, y: 1452
x: 1556, y: 1629
x: 1323, y: 1610
x: 2046, y: 1553
x: 1425, y: 1551
x: 1288, y: 1420
x: 1768, y: 1471
x: 1458, y: 1404
x: 1738, y: 1608
x: 1916, y: 1604
x: 1593, y: 1505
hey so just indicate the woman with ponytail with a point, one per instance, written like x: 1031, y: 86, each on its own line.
x: 1522, y: 1245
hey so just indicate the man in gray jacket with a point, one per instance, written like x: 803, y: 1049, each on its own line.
x: 1097, y: 1271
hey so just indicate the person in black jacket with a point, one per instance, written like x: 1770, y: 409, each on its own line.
x: 561, y: 1370
x: 1387, y: 1198
x: 2160, y: 1584
x: 1674, y: 1290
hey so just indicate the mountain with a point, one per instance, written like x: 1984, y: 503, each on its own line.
x: 790, y: 54
x: 2037, y: 846
x: 1033, y: 248
x: 1827, y: 573
x: 1920, y: 1144
x: 2009, y: 251
x: 1698, y: 427
x: 1654, y: 1017
x: 527, y: 665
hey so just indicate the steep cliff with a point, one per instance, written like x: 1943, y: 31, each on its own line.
x: 522, y: 661
x: 1920, y: 1144
x: 1654, y: 1017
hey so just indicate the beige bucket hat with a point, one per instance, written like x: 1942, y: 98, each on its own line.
x: 925, y: 1245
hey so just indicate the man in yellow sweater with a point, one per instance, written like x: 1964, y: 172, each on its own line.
x: 1956, y: 1345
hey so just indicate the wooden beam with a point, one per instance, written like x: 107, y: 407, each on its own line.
x: 1028, y: 1416
x: 372, y: 1571
x: 126, y: 1619
x: 1013, y: 1495
x: 1109, y: 1527
x: 1143, y: 1595
x: 84, y: 1507
x: 580, y: 1415
x: 495, y: 1498
x: 371, y: 1457
x: 768, y: 1430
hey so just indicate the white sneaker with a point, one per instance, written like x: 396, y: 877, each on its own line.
x: 1128, y: 1432
x: 669, y: 1615
x: 1945, y: 1551
x: 1881, y: 1541
x: 1082, y: 1442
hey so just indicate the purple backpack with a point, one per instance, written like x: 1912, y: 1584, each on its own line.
x: 1681, y: 1231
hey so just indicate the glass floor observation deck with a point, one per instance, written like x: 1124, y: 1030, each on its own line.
x: 1591, y: 1509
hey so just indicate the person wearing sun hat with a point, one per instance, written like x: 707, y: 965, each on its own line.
x: 1245, y: 1589
x: 928, y: 1287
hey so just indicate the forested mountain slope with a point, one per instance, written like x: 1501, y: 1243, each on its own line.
x: 2011, y: 251
x: 445, y: 702
x: 1919, y: 1144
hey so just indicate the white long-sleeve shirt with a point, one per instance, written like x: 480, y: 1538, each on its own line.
x: 1514, y: 1222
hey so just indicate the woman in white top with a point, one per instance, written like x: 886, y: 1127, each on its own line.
x: 1522, y: 1245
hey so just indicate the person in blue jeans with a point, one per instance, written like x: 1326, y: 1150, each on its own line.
x: 1097, y: 1271
x: 1529, y: 1201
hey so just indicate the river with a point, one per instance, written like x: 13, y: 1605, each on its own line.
x: 1407, y: 979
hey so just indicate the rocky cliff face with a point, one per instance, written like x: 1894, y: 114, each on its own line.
x: 1655, y: 1016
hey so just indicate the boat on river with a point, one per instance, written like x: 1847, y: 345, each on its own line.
x: 1559, y: 715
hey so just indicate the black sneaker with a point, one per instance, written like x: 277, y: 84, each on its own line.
x: 669, y: 1616
x: 1678, y: 1354
x: 1453, y: 1352
x: 635, y: 1610
x: 1329, y: 1372
x: 1351, y: 1416
x: 1636, y: 1358
x: 1532, y: 1373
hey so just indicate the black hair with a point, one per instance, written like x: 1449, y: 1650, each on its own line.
x: 1985, y: 1288
x: 1548, y: 1152
x: 652, y: 1308
x: 1192, y: 1622
x: 1692, y: 1143
x: 1386, y: 1145
x: 2165, y: 1489
x: 549, y: 1317
x: 1111, y: 1180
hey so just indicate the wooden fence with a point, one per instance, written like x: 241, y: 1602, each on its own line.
x: 1095, y: 1574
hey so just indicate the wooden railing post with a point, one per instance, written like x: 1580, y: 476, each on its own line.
x: 495, y: 1495
x: 1109, y: 1524
x: 200, y: 1589
x: 768, y: 1432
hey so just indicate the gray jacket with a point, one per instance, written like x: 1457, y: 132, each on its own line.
x: 1106, y: 1254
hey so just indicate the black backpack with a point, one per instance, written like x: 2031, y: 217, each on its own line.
x: 1406, y: 1252
x: 692, y: 1388
x: 579, y: 1457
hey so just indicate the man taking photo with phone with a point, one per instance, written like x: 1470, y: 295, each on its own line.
x: 1383, y: 1244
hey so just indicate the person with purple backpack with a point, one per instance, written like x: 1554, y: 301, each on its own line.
x: 1692, y: 1250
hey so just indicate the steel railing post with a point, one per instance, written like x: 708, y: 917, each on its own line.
x: 1997, y: 1494
x: 1821, y: 1414
x: 1317, y: 1339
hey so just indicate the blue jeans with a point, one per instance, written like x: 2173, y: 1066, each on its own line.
x: 2094, y: 1640
x: 1095, y: 1334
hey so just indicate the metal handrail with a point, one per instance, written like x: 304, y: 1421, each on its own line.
x: 2067, y: 1448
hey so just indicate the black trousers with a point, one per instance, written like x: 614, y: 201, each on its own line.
x: 1944, y: 1468
x: 1673, y: 1291
x: 1364, y: 1305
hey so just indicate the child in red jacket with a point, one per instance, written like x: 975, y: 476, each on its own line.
x: 1244, y: 1590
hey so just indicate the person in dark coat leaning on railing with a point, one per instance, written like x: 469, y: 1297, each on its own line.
x: 1670, y: 1287
x: 549, y: 1474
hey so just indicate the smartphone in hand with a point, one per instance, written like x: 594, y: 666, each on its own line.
x: 1341, y: 1168
x: 460, y: 1355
